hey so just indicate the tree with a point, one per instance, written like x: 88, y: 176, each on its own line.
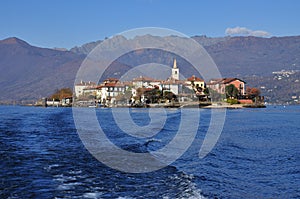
x: 170, y: 95
x: 206, y: 91
x: 153, y: 95
x: 126, y: 96
x: 215, y: 96
x: 252, y: 92
x: 62, y: 93
x: 231, y: 91
x: 255, y: 92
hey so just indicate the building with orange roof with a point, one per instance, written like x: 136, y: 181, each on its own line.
x: 194, y: 82
x: 219, y: 85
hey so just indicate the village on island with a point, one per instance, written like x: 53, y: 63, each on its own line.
x: 145, y: 92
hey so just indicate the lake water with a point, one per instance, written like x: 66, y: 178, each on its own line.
x: 257, y: 156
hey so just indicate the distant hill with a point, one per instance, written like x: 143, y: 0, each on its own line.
x: 85, y: 48
x: 209, y: 41
x: 278, y: 89
x: 243, y: 56
x: 29, y: 72
x: 203, y: 40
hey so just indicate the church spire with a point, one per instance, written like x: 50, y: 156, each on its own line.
x: 175, y: 71
x: 174, y: 63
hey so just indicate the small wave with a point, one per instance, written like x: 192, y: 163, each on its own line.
x: 68, y: 186
x: 92, y: 195
x: 188, y: 188
x: 236, y: 146
x: 75, y: 172
x: 136, y: 148
x: 63, y: 178
x: 152, y: 140
x: 64, y: 187
x: 49, y: 167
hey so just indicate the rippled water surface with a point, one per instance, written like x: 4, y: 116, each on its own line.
x: 257, y: 156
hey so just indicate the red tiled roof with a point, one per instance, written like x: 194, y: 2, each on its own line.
x: 111, y: 85
x: 172, y: 81
x: 127, y: 83
x: 194, y: 78
x: 223, y: 81
x: 90, y: 88
x: 228, y: 80
x: 111, y: 79
x: 100, y: 86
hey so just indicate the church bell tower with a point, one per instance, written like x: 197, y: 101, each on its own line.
x: 175, y: 71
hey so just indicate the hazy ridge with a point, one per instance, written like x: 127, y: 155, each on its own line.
x: 29, y: 72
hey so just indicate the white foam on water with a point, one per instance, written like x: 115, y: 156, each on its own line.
x: 75, y: 172
x: 190, y: 191
x: 93, y: 195
x: 63, y: 178
x: 68, y: 186
x: 49, y: 167
x: 66, y: 182
x: 64, y: 187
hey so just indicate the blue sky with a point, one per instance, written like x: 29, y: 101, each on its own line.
x: 66, y: 23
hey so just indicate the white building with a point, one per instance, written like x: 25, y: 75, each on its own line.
x: 172, y: 85
x: 197, y: 84
x: 143, y: 81
x: 109, y: 91
x: 79, y: 88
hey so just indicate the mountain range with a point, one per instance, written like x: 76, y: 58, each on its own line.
x: 29, y: 72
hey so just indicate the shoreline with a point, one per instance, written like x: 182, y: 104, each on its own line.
x: 236, y: 106
x: 204, y: 105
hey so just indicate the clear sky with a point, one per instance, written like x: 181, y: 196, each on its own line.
x: 67, y: 23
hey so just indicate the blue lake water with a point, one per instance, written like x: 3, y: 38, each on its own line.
x: 257, y: 156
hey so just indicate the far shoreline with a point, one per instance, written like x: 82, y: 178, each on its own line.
x: 205, y: 105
